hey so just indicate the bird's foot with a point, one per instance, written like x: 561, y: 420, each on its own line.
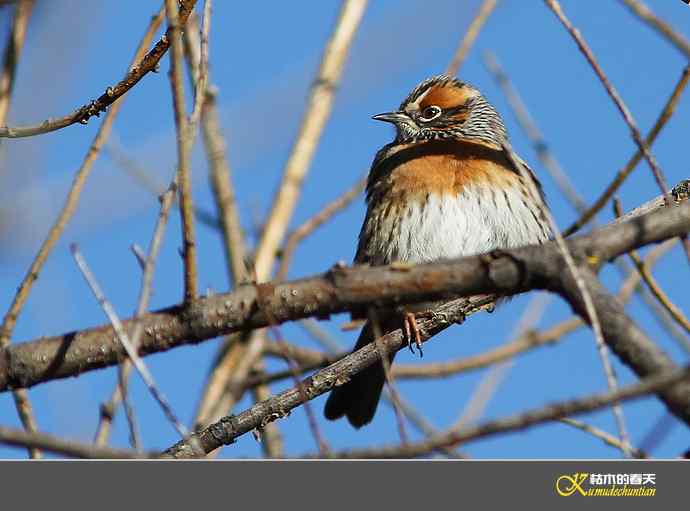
x: 412, y: 330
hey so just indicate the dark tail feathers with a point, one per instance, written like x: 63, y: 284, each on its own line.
x: 357, y: 399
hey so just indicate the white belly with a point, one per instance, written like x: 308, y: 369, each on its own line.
x: 478, y: 220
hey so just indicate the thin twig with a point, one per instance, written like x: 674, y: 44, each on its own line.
x: 602, y: 435
x: 122, y: 336
x: 579, y: 282
x: 521, y: 344
x: 201, y: 79
x: 656, y: 290
x: 468, y: 39
x: 555, y: 6
x: 651, y: 282
x: 314, y: 222
x: 70, y: 448
x: 143, y: 177
x: 223, y: 383
x: 66, y: 213
x: 318, y: 111
x: 487, y: 386
x: 520, y: 421
x: 646, y: 15
x: 13, y: 51
x: 618, y: 101
x: 621, y: 175
x: 139, y: 255
x: 219, y: 166
x: 569, y: 191
x: 390, y: 382
x: 533, y: 133
x: 433, y: 370
x: 334, y: 348
x: 184, y: 145
x: 120, y: 392
x: 144, y: 64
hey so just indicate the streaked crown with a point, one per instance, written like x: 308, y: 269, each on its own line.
x: 442, y: 107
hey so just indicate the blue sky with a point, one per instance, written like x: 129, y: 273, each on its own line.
x: 263, y: 57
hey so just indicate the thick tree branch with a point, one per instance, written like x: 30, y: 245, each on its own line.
x: 338, y: 290
x: 630, y: 344
x: 671, y: 383
x: 311, y: 359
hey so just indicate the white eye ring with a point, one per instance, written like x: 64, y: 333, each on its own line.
x: 430, y: 113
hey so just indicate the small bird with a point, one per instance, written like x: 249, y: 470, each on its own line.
x: 444, y: 188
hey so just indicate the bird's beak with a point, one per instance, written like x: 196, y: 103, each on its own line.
x: 394, y: 117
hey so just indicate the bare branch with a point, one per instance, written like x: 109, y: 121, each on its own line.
x: 143, y: 65
x: 471, y: 34
x: 563, y: 182
x: 317, y: 113
x: 516, y: 422
x: 603, y: 436
x: 126, y: 343
x: 341, y: 289
x: 185, y: 136
x: 621, y: 175
x: 664, y: 29
x: 313, y: 223
x: 10, y: 319
x: 651, y: 282
x: 219, y: 166
x: 590, y: 308
x: 631, y: 345
x: 13, y: 51
x: 311, y: 359
x: 228, y: 428
x: 555, y: 6
x: 318, y: 110
x: 490, y: 382
x: 120, y: 392
x: 533, y: 133
x: 57, y: 445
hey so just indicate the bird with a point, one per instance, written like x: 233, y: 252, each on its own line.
x: 443, y: 188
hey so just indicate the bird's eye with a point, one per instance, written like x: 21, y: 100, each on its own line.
x: 430, y: 113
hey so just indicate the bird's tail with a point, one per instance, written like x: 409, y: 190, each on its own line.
x: 357, y: 399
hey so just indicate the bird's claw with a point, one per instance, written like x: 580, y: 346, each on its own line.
x: 412, y: 330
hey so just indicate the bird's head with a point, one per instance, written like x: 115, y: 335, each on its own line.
x: 442, y: 108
